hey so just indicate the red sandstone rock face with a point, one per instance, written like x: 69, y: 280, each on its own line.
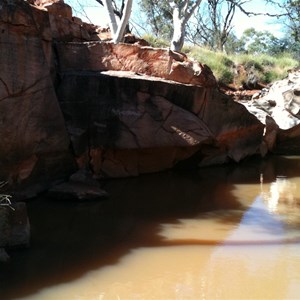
x: 34, y: 142
x: 149, y: 111
x: 58, y: 23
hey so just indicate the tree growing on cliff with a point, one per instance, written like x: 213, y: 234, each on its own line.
x: 169, y: 19
x: 118, y: 10
x: 181, y: 12
x: 118, y: 28
x: 211, y: 24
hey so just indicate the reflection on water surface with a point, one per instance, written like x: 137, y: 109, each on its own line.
x: 230, y: 232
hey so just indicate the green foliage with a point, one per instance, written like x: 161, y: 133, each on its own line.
x: 293, y: 18
x: 251, y: 64
x: 233, y: 44
x: 270, y: 76
x: 254, y: 41
x: 219, y: 62
x: 156, y: 42
x: 267, y: 68
x: 213, y: 24
x: 159, y: 17
x: 294, y: 49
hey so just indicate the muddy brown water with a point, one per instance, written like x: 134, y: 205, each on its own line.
x: 228, y: 232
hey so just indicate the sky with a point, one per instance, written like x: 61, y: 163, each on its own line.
x: 260, y: 23
x: 97, y: 15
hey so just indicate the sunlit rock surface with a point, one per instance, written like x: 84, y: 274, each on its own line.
x: 162, y: 63
x: 279, y: 109
x: 282, y: 102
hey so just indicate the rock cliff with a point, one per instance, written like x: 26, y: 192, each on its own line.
x: 34, y: 148
x: 68, y: 102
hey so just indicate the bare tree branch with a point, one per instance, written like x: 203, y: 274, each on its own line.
x: 117, y: 12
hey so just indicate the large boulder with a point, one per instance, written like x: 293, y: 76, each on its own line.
x: 279, y: 109
x: 282, y: 102
x: 151, y: 109
x: 124, y: 124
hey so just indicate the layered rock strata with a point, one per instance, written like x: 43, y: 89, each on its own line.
x: 116, y: 110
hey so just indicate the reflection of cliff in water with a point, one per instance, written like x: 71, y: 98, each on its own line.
x: 143, y: 222
x: 283, y: 200
x: 272, y: 222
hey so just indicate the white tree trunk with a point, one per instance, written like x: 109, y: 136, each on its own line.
x: 118, y: 36
x: 112, y: 18
x: 118, y: 30
x: 178, y: 31
x: 181, y: 14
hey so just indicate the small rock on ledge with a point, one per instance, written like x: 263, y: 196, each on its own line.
x: 81, y: 186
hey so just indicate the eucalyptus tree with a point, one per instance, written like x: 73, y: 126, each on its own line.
x: 206, y: 22
x: 159, y: 17
x: 118, y: 29
x: 292, y: 23
x: 168, y: 19
x: 293, y: 9
x: 117, y: 9
x: 118, y: 12
x: 257, y: 42
x: 289, y: 15
x: 182, y: 12
x: 213, y: 23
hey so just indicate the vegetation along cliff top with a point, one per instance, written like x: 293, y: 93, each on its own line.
x: 211, y: 32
